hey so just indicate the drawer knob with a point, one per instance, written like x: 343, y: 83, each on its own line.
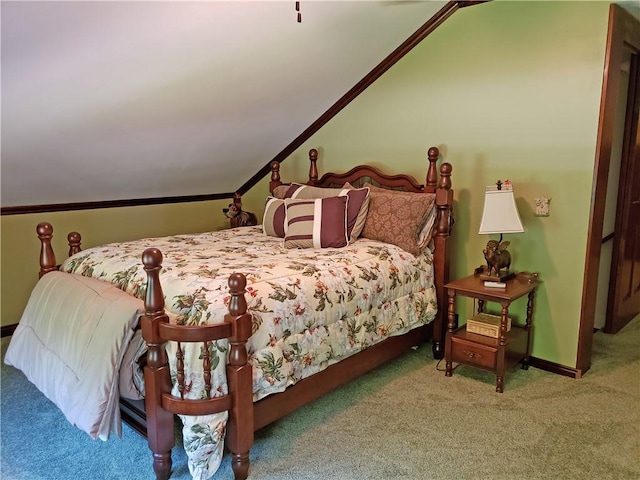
x: 471, y: 354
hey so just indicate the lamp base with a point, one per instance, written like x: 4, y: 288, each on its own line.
x: 483, y: 272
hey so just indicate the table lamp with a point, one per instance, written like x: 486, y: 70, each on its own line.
x: 500, y: 215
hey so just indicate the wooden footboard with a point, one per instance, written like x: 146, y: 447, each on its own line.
x: 161, y: 405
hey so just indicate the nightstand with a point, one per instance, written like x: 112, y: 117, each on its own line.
x: 493, y: 354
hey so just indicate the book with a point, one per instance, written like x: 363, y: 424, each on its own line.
x: 491, y: 284
x: 486, y: 324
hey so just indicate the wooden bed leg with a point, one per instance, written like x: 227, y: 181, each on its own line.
x: 162, y: 465
x: 240, y: 465
x: 157, y: 378
x: 239, y: 379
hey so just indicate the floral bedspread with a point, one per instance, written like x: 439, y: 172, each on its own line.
x: 310, y: 308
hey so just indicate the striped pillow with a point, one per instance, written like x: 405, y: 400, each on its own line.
x: 316, y: 223
x: 273, y: 218
x: 357, y: 206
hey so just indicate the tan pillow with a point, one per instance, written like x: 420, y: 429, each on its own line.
x: 274, y: 217
x: 357, y: 206
x: 401, y: 218
x: 280, y: 191
x: 316, y: 223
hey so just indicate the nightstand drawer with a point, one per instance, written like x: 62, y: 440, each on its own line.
x: 471, y: 353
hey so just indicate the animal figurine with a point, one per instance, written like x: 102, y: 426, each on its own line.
x: 238, y: 217
x: 497, y: 256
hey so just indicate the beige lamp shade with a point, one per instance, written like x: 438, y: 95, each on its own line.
x: 500, y: 214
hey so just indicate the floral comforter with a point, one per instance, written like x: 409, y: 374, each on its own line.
x: 310, y: 308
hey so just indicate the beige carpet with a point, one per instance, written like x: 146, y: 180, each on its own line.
x: 407, y: 420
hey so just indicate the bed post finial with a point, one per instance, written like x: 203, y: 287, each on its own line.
x: 74, y: 239
x: 432, y: 171
x: 275, y: 175
x: 445, y: 175
x: 154, y: 300
x: 313, y: 168
x: 47, y: 256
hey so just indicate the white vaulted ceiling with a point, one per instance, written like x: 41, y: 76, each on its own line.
x: 126, y: 100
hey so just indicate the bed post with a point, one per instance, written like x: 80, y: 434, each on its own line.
x: 275, y: 176
x: 239, y: 379
x: 157, y: 379
x: 313, y: 167
x: 444, y: 204
x: 47, y: 256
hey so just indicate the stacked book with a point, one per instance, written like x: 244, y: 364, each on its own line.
x: 486, y: 324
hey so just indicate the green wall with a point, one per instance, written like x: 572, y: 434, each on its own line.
x: 20, y: 244
x: 507, y: 90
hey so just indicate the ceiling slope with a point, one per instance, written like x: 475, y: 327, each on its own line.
x: 107, y: 101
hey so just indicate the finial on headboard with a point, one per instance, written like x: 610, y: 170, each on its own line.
x: 313, y: 168
x: 275, y: 175
x: 445, y: 175
x: 432, y: 171
x: 74, y: 239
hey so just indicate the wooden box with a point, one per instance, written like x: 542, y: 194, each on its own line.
x: 486, y: 324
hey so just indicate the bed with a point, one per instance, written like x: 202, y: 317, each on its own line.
x: 278, y: 314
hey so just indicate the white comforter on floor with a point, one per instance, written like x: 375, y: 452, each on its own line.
x: 75, y: 360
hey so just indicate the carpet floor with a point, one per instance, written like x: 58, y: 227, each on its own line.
x: 405, y: 420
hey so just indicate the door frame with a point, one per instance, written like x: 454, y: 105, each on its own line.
x: 624, y: 29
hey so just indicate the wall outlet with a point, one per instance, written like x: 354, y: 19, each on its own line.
x: 542, y: 206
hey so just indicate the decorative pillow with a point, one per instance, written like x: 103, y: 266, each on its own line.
x: 401, y: 218
x: 274, y: 217
x: 280, y: 191
x: 357, y: 206
x: 429, y: 227
x: 316, y: 223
